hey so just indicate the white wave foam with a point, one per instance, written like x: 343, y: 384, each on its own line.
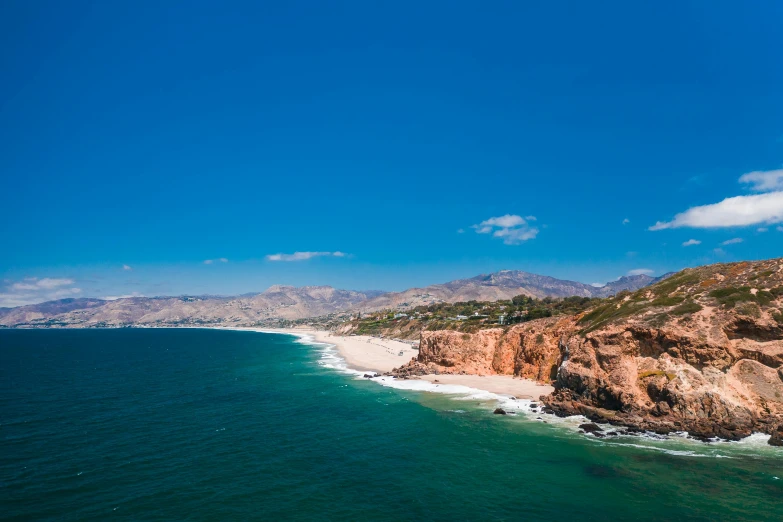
x: 331, y: 358
x: 753, y: 440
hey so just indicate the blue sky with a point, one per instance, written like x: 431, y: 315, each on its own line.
x: 422, y: 143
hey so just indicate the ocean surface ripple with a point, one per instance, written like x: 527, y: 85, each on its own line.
x: 199, y: 424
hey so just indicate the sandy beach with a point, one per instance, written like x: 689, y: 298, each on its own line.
x: 501, y: 384
x: 362, y: 352
x: 373, y: 354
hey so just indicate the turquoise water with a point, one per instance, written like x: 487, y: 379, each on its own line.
x: 220, y: 425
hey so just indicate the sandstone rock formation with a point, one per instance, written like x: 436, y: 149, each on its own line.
x: 701, y: 351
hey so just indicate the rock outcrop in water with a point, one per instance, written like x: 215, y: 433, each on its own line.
x: 701, y: 351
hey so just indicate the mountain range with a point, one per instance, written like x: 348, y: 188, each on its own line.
x: 291, y: 303
x: 498, y: 286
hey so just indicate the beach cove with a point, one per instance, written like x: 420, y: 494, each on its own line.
x: 364, y: 353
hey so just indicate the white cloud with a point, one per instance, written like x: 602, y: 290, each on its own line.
x: 779, y: 229
x: 125, y: 296
x: 64, y: 292
x: 738, y: 211
x: 640, y: 271
x: 127, y: 268
x: 460, y: 231
x: 598, y: 285
x: 213, y: 261
x: 761, y: 230
x: 732, y: 241
x: 303, y: 256
x: 764, y: 180
x: 507, y: 221
x: 719, y: 251
x: 47, y: 283
x: 14, y: 300
x: 626, y: 221
x: 692, y: 242
x: 32, y: 290
x: 512, y: 229
x: 24, y: 286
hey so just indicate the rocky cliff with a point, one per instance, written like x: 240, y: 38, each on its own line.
x: 701, y: 351
x: 529, y: 350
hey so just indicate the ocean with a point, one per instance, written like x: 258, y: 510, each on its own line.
x: 199, y: 424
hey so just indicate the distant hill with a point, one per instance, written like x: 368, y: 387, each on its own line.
x: 278, y: 302
x: 22, y: 314
x: 501, y: 285
x: 291, y: 303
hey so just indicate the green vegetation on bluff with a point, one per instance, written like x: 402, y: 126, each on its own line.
x: 468, y: 317
x: 747, y: 288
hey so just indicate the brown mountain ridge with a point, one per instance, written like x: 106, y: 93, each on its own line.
x: 291, y: 303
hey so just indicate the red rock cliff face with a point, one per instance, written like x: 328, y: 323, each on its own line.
x: 689, y: 355
x: 694, y: 374
x: 530, y: 350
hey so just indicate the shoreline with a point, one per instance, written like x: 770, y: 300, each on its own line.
x: 363, y: 353
x: 514, y: 395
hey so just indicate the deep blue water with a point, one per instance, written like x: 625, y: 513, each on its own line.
x: 219, y: 425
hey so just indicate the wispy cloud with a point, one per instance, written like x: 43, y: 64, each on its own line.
x: 125, y: 296
x: 47, y: 283
x: 512, y: 229
x: 732, y: 241
x: 127, y: 268
x: 694, y: 182
x: 32, y: 290
x: 213, y: 261
x: 641, y: 271
x: 761, y: 230
x: 691, y: 242
x: 764, y: 180
x: 626, y: 221
x: 303, y: 256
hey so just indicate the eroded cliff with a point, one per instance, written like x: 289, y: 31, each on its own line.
x: 701, y: 351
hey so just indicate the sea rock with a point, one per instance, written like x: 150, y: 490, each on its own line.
x: 590, y: 427
x: 499, y: 411
x: 776, y: 439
